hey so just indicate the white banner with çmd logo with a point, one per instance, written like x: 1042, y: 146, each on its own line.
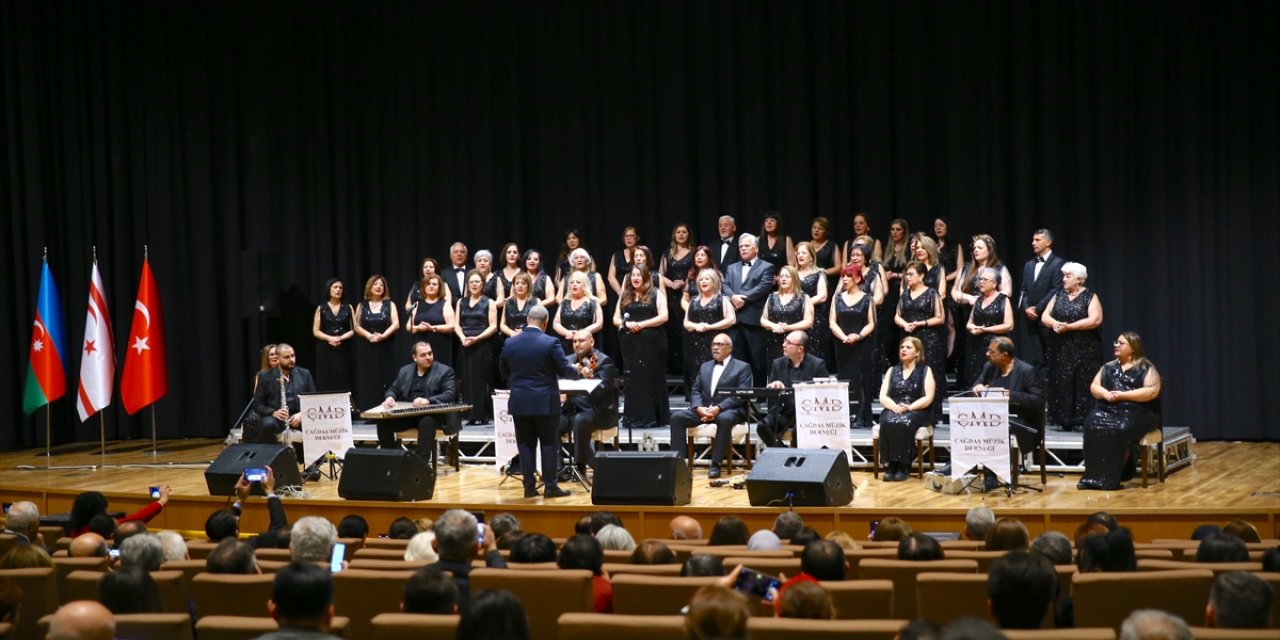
x: 504, y: 434
x: 980, y: 435
x: 822, y: 416
x: 326, y: 424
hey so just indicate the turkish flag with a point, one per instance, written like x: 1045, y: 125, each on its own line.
x: 146, y: 375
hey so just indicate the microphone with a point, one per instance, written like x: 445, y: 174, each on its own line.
x: 625, y: 318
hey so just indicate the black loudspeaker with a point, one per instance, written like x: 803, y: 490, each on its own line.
x: 391, y: 475
x: 812, y: 477
x: 641, y: 477
x: 260, y: 282
x: 222, y: 474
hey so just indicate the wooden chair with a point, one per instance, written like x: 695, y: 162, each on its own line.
x: 545, y: 594
x: 767, y: 565
x: 452, y: 456
x: 370, y: 564
x: 415, y: 625
x: 593, y: 626
x: 619, y: 568
x: 1148, y: 564
x: 741, y: 551
x: 617, y: 555
x: 386, y: 543
x: 1106, y: 599
x: 739, y: 434
x: 218, y: 594
x: 855, y: 557
x: 200, y: 549
x: 1206, y: 633
x: 7, y: 541
x: 361, y: 594
x: 1153, y: 554
x: 154, y: 626
x: 39, y: 598
x: 1060, y: 634
x: 61, y: 542
x: 80, y: 585
x: 792, y: 628
x: 943, y: 597
x: 923, y: 434
x: 970, y: 545
x: 860, y: 599
x: 984, y: 558
x: 249, y: 627
x: 653, y: 595
x: 903, y: 574
x: 189, y: 568
x: 64, y: 567
x: 273, y: 554
x: 372, y: 553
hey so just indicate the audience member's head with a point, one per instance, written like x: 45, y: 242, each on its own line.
x: 128, y: 529
x: 86, y: 506
x: 25, y: 556
x: 129, y: 590
x: 82, y: 620
x: 977, y: 522
x: 583, y: 551
x: 23, y: 518
x: 920, y: 629
x: 494, y: 614
x: 502, y: 523
x: 1020, y: 588
x: 421, y: 548
x: 311, y: 539
x: 533, y: 547
x: 824, y: 560
x: 787, y: 524
x: 429, y: 590
x: 805, y: 536
x: 1088, y: 529
x: 891, y: 529
x: 88, y: 545
x: 919, y: 546
x: 1239, y: 600
x: 583, y: 526
x: 1103, y: 518
x: 685, y: 528
x: 221, y: 524
x: 806, y: 600
x: 1222, y: 548
x: 1110, y: 553
x: 843, y: 539
x: 716, y: 612
x: 600, y: 519
x: 614, y: 538
x: 103, y: 525
x: 175, y: 548
x: 729, y: 530
x: 1152, y: 624
x: 1243, y: 530
x: 423, y: 524
x: 764, y: 540
x: 1204, y: 530
x: 456, y: 535
x: 143, y: 550
x: 1007, y: 534
x: 1054, y: 545
x: 653, y: 552
x: 231, y: 556
x: 302, y: 596
x: 971, y: 628
x: 509, y: 538
x: 1271, y: 559
x: 403, y: 528
x: 701, y: 565
x: 354, y: 526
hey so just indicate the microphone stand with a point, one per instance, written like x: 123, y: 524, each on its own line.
x: 239, y: 421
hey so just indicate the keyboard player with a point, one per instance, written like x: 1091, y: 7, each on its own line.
x: 422, y: 383
x: 795, y: 365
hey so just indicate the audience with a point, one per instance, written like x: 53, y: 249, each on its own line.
x: 10, y: 600
x: 977, y: 522
x: 91, y: 504
x: 129, y: 590
x: 843, y: 539
x: 703, y: 565
x: 614, y: 538
x: 495, y: 614
x: 805, y: 536
x: 1222, y: 548
x: 890, y: 530
x: 421, y: 548
x: 971, y: 628
x: 1020, y: 588
x: 173, y: 546
x: 103, y: 525
x: 1088, y: 529
x: 1103, y: 518
x: 806, y: 600
x: 26, y: 556
x: 1243, y: 530
x: 355, y: 526
x: 88, y: 545
x: 533, y: 548
x: 429, y: 590
x: 1239, y: 600
x: 685, y: 528
x: 919, y: 546
x: 1204, y: 530
x: 787, y: 525
x: 221, y: 524
x: 1108, y: 553
x: 584, y: 552
x: 509, y: 538
x: 729, y: 530
x: 456, y: 543
x: 1150, y: 624
x: 502, y: 524
x: 653, y: 552
x: 423, y: 524
x: 1054, y: 545
x: 583, y: 526
x: 232, y: 556
x: 311, y: 539
x: 402, y: 529
x: 1007, y: 534
x: 301, y: 601
x: 82, y: 620
x: 717, y: 612
x: 600, y: 519
x: 763, y: 540
x: 23, y: 520
x: 128, y: 529
x: 1271, y: 559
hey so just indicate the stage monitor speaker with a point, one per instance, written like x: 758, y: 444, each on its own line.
x: 222, y: 474
x: 391, y: 475
x: 800, y: 477
x: 641, y: 477
x: 260, y: 283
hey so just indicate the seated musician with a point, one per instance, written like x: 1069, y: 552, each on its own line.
x: 422, y: 383
x: 705, y: 407
x: 275, y: 396
x: 795, y: 365
x: 586, y: 413
x: 1003, y: 374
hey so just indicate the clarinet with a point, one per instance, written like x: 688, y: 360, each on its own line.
x: 284, y: 402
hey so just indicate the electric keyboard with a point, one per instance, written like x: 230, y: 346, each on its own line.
x: 754, y: 392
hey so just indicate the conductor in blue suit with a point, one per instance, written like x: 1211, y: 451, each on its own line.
x: 721, y: 371
x: 533, y: 362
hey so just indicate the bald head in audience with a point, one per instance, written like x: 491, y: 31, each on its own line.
x: 88, y: 545
x: 82, y: 620
x: 685, y: 528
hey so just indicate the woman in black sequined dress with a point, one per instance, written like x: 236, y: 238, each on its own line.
x: 787, y: 309
x: 1126, y: 392
x: 477, y: 324
x: 853, y: 325
x: 333, y: 327
x: 991, y: 316
x: 640, y: 316
x: 1074, y: 349
x: 431, y: 319
x: 920, y: 314
x: 906, y: 394
x: 376, y: 321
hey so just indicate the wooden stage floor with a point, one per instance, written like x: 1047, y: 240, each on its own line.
x: 1226, y: 480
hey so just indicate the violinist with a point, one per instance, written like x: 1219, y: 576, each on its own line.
x: 584, y: 414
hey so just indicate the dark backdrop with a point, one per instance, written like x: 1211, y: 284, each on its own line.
x: 358, y: 137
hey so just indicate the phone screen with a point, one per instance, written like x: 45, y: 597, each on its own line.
x: 335, y: 561
x: 155, y: 493
x: 114, y: 553
x: 754, y: 583
x: 480, y: 534
x: 255, y: 474
x: 873, y: 527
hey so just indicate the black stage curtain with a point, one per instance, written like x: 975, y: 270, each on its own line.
x: 357, y: 137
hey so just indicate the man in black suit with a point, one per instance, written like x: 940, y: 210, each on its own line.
x: 1041, y: 279
x: 455, y: 275
x: 277, y: 417
x: 586, y: 413
x: 533, y: 362
x: 421, y: 383
x: 724, y: 252
x: 795, y: 365
x: 1020, y: 382
x: 721, y: 371
x: 748, y: 284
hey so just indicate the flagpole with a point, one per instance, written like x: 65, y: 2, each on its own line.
x: 102, y: 432
x: 48, y: 429
x: 154, y: 449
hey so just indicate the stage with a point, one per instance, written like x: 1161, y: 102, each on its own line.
x: 1224, y: 481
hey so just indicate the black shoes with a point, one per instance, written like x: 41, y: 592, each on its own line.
x: 894, y: 474
x: 554, y: 492
x: 530, y: 493
x: 1091, y: 484
x: 713, y: 473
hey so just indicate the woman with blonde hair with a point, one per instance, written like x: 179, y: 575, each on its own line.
x: 813, y: 282
x: 707, y: 313
x: 579, y: 309
x: 787, y: 309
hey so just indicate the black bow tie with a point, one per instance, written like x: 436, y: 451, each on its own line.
x: 459, y: 269
x: 746, y: 265
x: 1039, y: 259
x: 726, y: 240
